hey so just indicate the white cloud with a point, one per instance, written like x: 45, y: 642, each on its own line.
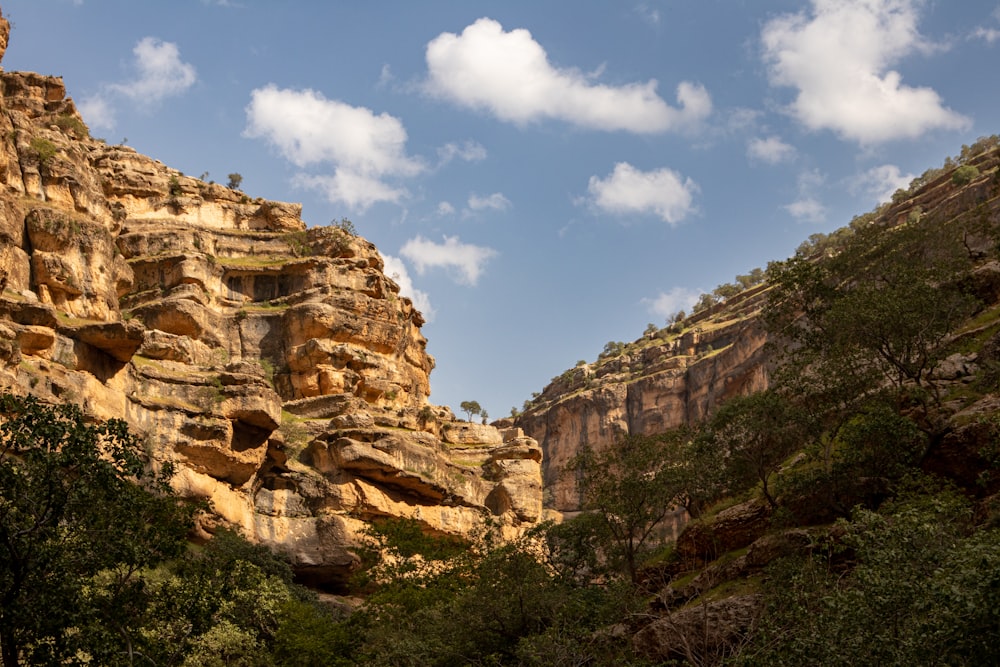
x: 395, y: 269
x: 807, y: 207
x: 771, y: 150
x: 839, y: 57
x: 464, y: 261
x: 357, y: 190
x: 807, y: 210
x: 97, y: 112
x: 509, y: 75
x: 882, y: 181
x: 989, y: 35
x: 666, y: 304
x: 469, y: 151
x: 161, y: 72
x: 495, y: 201
x: 628, y: 190
x: 445, y: 208
x: 363, y: 148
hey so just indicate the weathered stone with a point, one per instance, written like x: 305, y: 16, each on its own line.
x: 274, y: 365
x: 646, y: 391
x: 701, y: 634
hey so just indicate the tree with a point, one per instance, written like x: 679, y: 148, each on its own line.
x: 754, y: 435
x: 632, y: 486
x: 471, y: 408
x: 80, y: 519
x: 924, y: 590
x: 235, y: 180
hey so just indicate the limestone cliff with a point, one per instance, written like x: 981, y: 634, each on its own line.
x: 275, y: 365
x: 656, y: 383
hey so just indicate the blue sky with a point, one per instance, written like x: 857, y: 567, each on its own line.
x: 542, y: 177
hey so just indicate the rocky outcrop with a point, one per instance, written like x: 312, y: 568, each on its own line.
x: 274, y: 365
x: 656, y: 383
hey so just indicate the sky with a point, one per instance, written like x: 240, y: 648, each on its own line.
x: 541, y: 178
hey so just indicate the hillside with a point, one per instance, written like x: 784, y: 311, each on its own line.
x: 679, y: 374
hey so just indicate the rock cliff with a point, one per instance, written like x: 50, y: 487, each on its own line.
x: 275, y: 365
x: 658, y: 382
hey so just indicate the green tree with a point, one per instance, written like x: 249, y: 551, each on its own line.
x: 471, y: 408
x: 964, y: 174
x: 235, y: 181
x: 924, y: 589
x: 753, y: 435
x: 80, y: 520
x: 632, y: 487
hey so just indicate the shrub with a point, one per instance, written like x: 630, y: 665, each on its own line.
x: 72, y: 125
x: 964, y: 174
x: 44, y: 149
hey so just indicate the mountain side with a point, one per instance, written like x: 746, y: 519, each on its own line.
x: 678, y: 375
x: 658, y: 382
x: 275, y: 366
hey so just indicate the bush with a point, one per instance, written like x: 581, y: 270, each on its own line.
x: 964, y: 174
x: 44, y: 149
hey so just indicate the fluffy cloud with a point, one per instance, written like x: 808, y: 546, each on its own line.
x: 160, y: 74
x: 98, y: 112
x: 771, y: 150
x: 839, y: 57
x: 464, y: 261
x: 666, y: 304
x: 628, y: 190
x: 509, y: 75
x: 807, y: 209
x: 495, y: 201
x: 396, y: 269
x: 989, y: 35
x: 363, y: 148
x: 882, y: 181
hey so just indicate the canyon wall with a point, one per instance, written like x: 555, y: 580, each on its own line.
x: 658, y: 382
x: 274, y: 365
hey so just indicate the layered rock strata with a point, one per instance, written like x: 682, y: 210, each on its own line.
x: 656, y: 383
x: 275, y: 365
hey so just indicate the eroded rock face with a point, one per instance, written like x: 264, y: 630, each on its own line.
x: 274, y: 365
x: 654, y: 385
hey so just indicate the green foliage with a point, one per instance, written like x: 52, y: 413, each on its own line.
x: 44, y: 150
x: 631, y: 486
x: 705, y: 301
x: 612, y: 349
x: 72, y: 125
x: 925, y: 590
x: 235, y: 181
x: 964, y: 174
x: 345, y: 226
x: 488, y: 604
x: 80, y: 518
x: 470, y: 408
x: 878, y: 312
x: 752, y: 435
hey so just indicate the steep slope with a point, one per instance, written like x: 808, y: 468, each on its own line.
x: 677, y: 375
x: 656, y: 383
x: 275, y: 366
